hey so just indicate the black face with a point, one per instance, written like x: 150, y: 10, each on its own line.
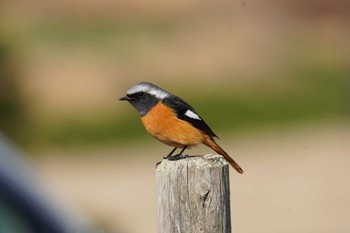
x: 142, y: 101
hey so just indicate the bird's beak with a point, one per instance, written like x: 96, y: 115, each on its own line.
x: 124, y: 98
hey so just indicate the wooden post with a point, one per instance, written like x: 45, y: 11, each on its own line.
x: 193, y: 195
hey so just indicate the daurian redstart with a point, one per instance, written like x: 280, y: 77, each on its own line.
x: 172, y: 121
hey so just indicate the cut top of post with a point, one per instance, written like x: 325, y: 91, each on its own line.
x: 195, y: 162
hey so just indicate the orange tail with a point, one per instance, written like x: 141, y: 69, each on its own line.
x: 212, y: 144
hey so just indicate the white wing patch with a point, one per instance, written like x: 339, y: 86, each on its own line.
x: 192, y: 115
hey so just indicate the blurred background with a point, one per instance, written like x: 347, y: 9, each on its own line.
x: 271, y: 78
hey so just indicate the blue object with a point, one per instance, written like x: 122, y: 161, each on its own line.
x: 26, y: 204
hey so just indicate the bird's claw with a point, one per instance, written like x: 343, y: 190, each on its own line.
x: 158, y: 163
x: 176, y: 157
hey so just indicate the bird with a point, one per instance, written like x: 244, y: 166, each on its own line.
x: 172, y: 121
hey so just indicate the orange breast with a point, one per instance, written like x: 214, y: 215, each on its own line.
x: 161, y: 122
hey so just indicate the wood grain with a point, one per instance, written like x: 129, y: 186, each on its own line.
x: 193, y: 195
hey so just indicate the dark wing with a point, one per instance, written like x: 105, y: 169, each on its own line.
x: 187, y: 113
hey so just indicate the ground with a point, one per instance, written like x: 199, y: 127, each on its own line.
x: 295, y: 180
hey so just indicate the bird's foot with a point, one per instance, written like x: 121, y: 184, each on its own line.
x: 177, y: 157
x: 158, y: 163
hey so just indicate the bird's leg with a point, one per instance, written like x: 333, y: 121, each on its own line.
x: 182, y: 151
x: 169, y: 155
x: 178, y: 156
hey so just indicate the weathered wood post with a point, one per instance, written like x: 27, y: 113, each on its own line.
x: 193, y: 195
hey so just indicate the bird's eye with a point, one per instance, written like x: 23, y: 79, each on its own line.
x: 140, y: 94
